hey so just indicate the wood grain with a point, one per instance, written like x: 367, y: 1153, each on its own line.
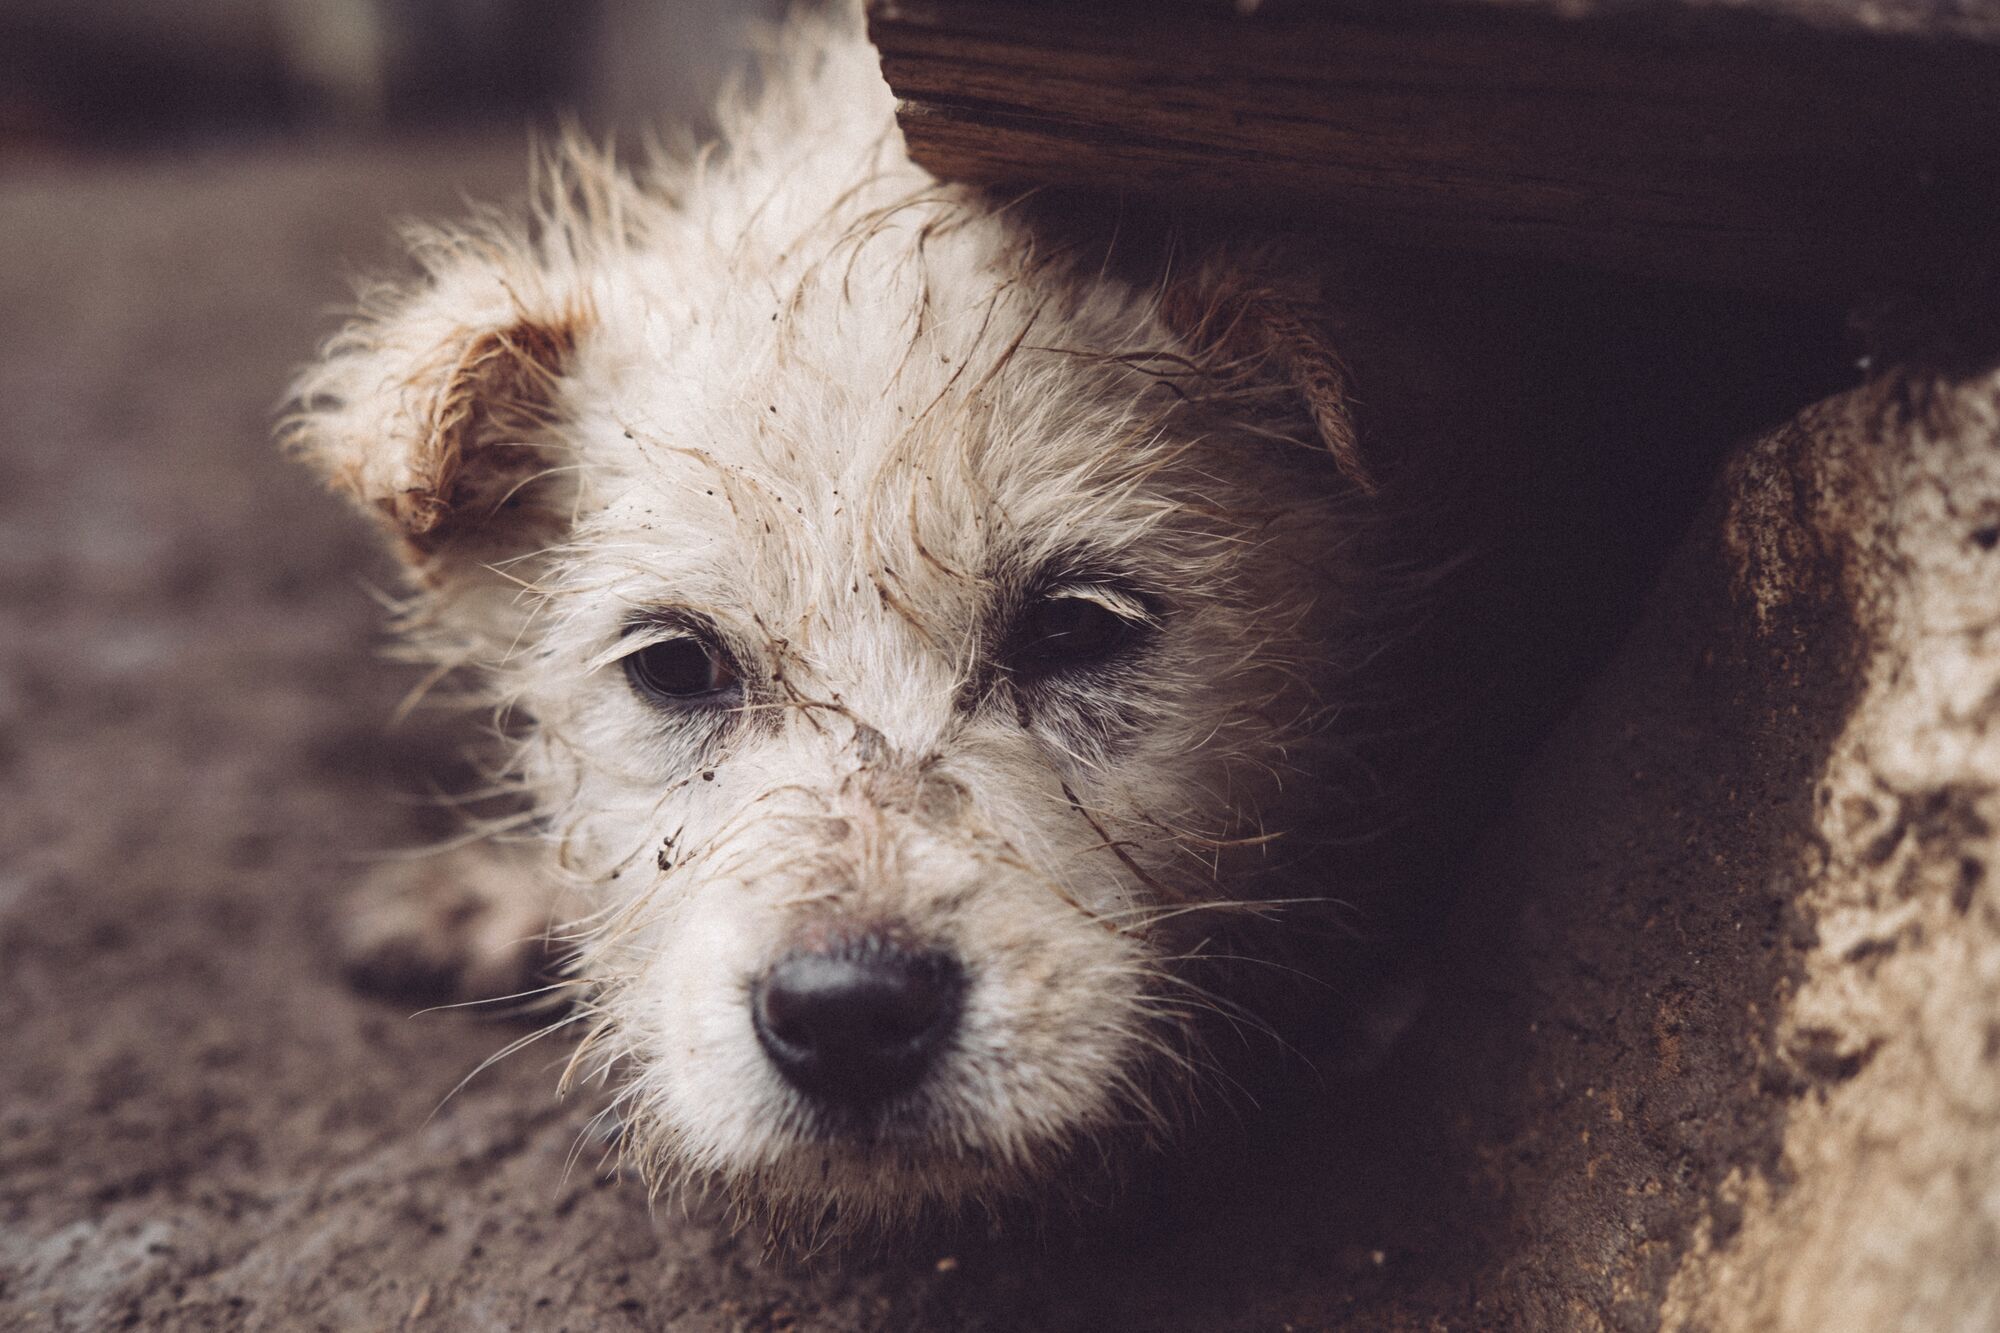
x: 1690, y: 143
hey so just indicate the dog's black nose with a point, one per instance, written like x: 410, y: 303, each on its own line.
x: 858, y: 1022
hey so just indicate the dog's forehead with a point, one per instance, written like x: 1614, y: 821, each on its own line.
x: 882, y: 413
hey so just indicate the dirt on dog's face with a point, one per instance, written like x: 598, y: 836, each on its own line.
x: 892, y: 699
x: 905, y: 670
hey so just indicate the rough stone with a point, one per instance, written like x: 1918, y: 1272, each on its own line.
x: 1882, y: 1209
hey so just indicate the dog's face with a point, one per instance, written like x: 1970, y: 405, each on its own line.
x: 907, y: 674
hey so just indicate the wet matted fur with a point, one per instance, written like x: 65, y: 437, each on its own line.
x: 856, y: 439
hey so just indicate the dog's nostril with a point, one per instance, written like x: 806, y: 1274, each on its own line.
x: 858, y: 1022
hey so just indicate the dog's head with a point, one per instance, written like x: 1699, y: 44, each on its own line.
x: 919, y: 643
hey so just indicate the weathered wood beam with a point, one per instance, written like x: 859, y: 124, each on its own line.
x: 1677, y: 140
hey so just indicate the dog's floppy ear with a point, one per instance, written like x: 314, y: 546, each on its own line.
x: 1247, y: 332
x: 436, y: 409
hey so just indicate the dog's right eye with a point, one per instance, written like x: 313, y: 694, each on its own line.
x: 683, y: 670
x: 1078, y: 626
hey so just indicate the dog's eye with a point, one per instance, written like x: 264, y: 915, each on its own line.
x: 1076, y: 628
x: 683, y: 669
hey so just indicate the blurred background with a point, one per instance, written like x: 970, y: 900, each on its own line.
x: 82, y: 76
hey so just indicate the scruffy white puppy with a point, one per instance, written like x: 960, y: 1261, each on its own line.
x: 920, y: 650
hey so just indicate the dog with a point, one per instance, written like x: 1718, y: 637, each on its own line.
x: 922, y: 652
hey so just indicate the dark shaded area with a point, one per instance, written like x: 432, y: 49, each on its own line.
x: 68, y: 86
x: 1572, y: 425
x: 101, y: 76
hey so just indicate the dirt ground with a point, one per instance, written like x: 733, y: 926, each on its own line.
x: 203, y: 1126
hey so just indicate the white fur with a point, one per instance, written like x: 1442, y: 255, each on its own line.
x: 842, y: 411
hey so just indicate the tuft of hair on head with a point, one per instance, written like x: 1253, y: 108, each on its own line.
x: 1258, y: 339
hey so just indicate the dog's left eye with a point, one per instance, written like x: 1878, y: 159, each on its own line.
x: 1072, y: 629
x: 682, y: 670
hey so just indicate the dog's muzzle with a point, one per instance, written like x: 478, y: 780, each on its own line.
x: 856, y: 1022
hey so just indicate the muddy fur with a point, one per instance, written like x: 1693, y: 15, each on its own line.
x: 788, y: 397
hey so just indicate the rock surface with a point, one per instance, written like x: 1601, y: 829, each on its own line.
x: 1882, y: 1209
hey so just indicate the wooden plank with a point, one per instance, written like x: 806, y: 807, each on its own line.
x: 1678, y: 141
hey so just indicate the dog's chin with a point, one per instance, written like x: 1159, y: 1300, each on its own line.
x: 846, y: 1196
x: 821, y: 1177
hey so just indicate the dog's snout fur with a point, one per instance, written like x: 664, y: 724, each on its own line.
x: 918, y: 788
x: 997, y: 609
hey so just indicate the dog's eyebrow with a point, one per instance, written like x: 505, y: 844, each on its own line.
x: 642, y: 629
x: 1067, y: 566
x: 665, y: 618
x: 1103, y: 576
x: 1114, y: 596
x: 670, y: 618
